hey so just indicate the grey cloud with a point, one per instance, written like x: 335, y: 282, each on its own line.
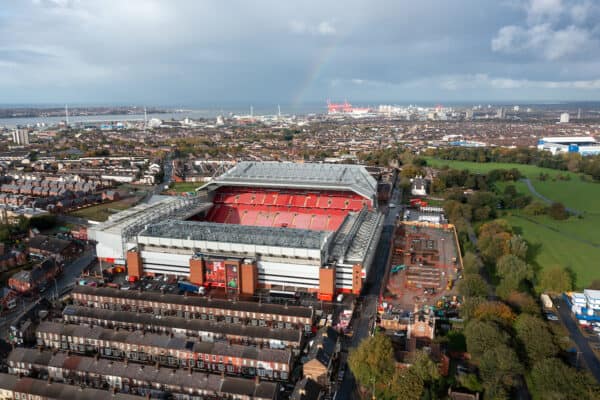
x: 191, y: 52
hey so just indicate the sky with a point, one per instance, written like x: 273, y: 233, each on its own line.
x: 189, y: 52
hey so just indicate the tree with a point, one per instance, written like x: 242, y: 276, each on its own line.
x: 495, y: 311
x: 523, y: 303
x: 469, y: 306
x: 535, y: 208
x: 43, y: 221
x: 513, y: 272
x: 535, y: 338
x: 552, y: 379
x: 423, y: 366
x: 472, y: 286
x: 494, y: 240
x: 372, y: 362
x: 518, y: 247
x: 471, y: 263
x: 556, y: 280
x: 558, y: 211
x: 405, y: 384
x: 510, y: 265
x: 482, y: 336
x: 499, y: 368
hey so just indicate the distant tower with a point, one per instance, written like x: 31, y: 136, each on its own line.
x: 564, y: 118
x: 579, y: 113
x: 251, y: 111
x: 278, y: 111
x: 20, y: 137
x: 145, y: 119
x: 67, y: 114
x: 501, y: 113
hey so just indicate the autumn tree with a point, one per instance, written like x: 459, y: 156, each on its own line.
x: 494, y: 237
x: 495, y: 311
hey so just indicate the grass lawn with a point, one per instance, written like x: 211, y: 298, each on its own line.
x: 571, y: 243
x: 531, y: 171
x: 552, y: 249
x: 181, y: 187
x: 101, y: 212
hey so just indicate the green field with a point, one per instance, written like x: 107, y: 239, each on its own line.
x: 101, y: 212
x: 181, y: 187
x: 560, y: 249
x: 530, y: 171
x: 573, y: 243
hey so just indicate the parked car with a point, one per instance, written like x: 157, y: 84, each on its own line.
x: 551, y: 317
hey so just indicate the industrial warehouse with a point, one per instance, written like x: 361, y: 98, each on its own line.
x: 304, y: 227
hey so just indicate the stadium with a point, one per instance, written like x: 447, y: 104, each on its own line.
x: 284, y: 226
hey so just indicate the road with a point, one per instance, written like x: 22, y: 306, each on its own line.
x: 589, y: 358
x: 363, y: 322
x: 544, y: 198
x: 70, y: 274
x: 167, y: 177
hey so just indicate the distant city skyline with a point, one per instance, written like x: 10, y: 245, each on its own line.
x: 187, y: 53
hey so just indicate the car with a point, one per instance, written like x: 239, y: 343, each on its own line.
x: 551, y: 317
x: 596, y: 329
x: 341, y: 373
x: 400, y: 333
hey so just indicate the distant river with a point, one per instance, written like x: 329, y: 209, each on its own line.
x: 193, y: 114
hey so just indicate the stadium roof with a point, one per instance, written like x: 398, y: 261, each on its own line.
x: 231, y: 233
x: 299, y: 175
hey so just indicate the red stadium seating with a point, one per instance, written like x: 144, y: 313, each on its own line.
x: 286, y: 208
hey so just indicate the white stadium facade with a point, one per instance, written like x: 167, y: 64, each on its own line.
x: 312, y: 227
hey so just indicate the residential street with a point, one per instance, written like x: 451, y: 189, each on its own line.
x: 363, y: 322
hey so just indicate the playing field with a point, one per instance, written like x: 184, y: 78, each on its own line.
x: 181, y: 187
x: 573, y: 243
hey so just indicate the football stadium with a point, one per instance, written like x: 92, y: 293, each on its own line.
x: 282, y: 226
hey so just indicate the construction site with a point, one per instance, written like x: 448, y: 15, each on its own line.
x: 423, y: 266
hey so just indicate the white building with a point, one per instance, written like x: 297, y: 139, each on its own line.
x: 584, y: 145
x: 418, y: 186
x: 20, y: 137
x: 564, y: 118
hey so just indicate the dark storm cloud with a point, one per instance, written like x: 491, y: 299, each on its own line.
x: 188, y: 52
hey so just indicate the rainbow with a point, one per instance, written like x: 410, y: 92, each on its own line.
x: 323, y: 58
